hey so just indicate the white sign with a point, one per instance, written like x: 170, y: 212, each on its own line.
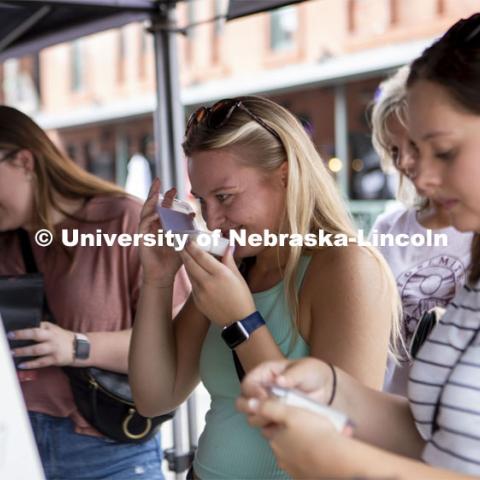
x: 19, y: 458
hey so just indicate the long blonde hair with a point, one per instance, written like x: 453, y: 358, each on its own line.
x: 54, y: 173
x: 391, y: 102
x: 313, y: 201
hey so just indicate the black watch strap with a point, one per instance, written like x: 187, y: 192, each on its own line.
x: 236, y: 333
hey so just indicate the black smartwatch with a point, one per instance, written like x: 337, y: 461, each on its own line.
x: 238, y: 332
x: 81, y: 347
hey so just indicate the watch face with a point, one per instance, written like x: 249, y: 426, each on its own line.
x: 234, y: 335
x: 82, y: 349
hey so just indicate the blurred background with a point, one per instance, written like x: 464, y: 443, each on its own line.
x: 322, y: 59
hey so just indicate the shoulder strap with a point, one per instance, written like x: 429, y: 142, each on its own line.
x: 238, y: 366
x: 31, y: 267
x: 244, y: 267
x: 27, y: 253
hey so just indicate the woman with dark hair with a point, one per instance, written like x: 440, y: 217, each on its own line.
x: 426, y: 277
x: 92, y: 294
x: 436, y: 433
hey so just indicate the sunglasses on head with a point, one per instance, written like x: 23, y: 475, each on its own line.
x: 218, y: 114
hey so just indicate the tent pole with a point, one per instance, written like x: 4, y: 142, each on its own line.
x: 341, y: 136
x: 169, y: 125
x: 169, y: 117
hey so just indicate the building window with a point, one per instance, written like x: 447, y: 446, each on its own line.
x: 71, y: 151
x: 122, y: 47
x: 283, y: 26
x: 146, y: 47
x: 77, y: 66
x: 219, y: 17
x: 367, y: 180
x: 217, y: 30
x: 307, y: 123
x: 146, y: 41
x: 395, y: 12
x: 21, y: 83
x: 122, y: 55
x: 191, y: 18
x: 99, y: 161
x: 352, y: 8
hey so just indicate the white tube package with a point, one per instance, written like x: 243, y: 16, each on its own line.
x: 210, y: 243
x: 179, y: 219
x: 297, y: 399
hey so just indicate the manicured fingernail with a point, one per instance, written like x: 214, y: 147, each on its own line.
x: 12, y: 352
x: 11, y: 335
x: 21, y: 366
x: 253, y: 403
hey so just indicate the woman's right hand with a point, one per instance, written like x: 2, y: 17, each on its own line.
x: 308, y: 375
x: 160, y: 264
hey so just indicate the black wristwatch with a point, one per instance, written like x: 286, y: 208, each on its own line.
x: 238, y: 332
x: 81, y: 347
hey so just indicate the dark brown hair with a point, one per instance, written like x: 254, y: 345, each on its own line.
x: 453, y: 62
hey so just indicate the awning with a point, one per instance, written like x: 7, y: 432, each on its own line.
x: 29, y: 26
x: 242, y: 8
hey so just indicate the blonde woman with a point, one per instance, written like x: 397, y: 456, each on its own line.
x: 92, y: 294
x: 427, y: 277
x: 253, y: 168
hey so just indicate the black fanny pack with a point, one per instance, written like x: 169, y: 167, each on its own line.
x: 104, y: 398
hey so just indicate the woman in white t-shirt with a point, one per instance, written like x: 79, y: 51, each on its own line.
x: 434, y: 435
x: 426, y: 276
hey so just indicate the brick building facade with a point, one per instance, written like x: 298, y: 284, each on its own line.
x: 322, y: 59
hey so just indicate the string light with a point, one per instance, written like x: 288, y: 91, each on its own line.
x: 357, y: 164
x: 335, y: 164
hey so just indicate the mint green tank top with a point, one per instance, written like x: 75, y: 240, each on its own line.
x: 229, y: 447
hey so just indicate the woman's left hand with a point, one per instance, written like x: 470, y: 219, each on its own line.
x: 54, y: 346
x: 297, y: 437
x: 218, y: 288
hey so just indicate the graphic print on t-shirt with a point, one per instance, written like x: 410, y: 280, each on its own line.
x: 430, y: 284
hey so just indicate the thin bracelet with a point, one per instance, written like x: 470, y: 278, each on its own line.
x: 334, y: 384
